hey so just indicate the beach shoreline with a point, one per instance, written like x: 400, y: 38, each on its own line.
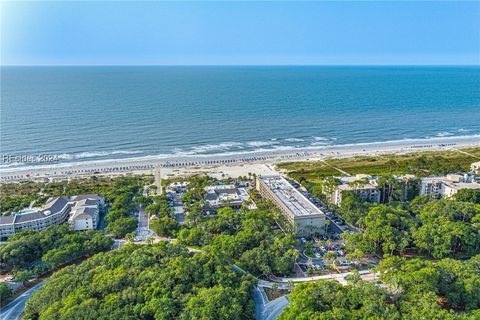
x: 231, y: 164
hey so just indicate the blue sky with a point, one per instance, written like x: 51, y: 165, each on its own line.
x: 185, y: 33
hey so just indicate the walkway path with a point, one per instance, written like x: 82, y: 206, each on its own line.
x: 366, y: 275
x: 338, y: 169
x: 143, y: 231
x: 468, y: 154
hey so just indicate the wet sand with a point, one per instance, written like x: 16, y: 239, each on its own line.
x: 232, y: 165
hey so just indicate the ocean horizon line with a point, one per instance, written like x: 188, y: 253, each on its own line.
x: 239, y: 65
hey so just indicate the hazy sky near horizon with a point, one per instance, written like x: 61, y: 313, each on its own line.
x: 212, y: 33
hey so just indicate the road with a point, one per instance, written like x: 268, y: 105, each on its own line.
x: 14, y: 309
x: 267, y: 310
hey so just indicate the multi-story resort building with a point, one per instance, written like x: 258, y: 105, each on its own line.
x: 447, y: 186
x: 80, y: 210
x: 367, y: 188
x: 305, y: 218
x: 432, y: 186
x: 86, y: 211
x: 364, y: 186
x: 220, y: 196
x: 55, y: 211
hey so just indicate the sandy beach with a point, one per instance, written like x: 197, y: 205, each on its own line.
x: 232, y: 165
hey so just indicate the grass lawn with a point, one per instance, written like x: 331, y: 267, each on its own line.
x: 418, y: 163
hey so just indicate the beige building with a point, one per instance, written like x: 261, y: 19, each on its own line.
x: 447, y: 186
x: 305, y: 218
x: 475, y: 167
x: 450, y: 189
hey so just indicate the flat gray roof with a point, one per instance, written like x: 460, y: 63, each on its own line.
x: 296, y: 202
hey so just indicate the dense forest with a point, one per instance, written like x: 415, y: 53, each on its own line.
x: 413, y: 289
x: 31, y: 252
x: 160, y: 281
x: 250, y: 239
x: 439, y: 228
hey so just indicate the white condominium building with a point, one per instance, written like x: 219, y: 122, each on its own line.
x: 220, y: 196
x: 447, y: 186
x: 450, y: 189
x: 305, y: 218
x: 368, y: 192
x: 364, y: 186
x: 55, y: 211
x: 432, y: 187
x: 86, y: 211
x: 81, y: 211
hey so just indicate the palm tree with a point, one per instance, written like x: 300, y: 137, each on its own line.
x: 390, y: 188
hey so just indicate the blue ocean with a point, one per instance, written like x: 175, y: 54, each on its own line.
x: 90, y: 113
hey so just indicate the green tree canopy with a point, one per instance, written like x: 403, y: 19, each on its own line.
x: 159, y: 281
